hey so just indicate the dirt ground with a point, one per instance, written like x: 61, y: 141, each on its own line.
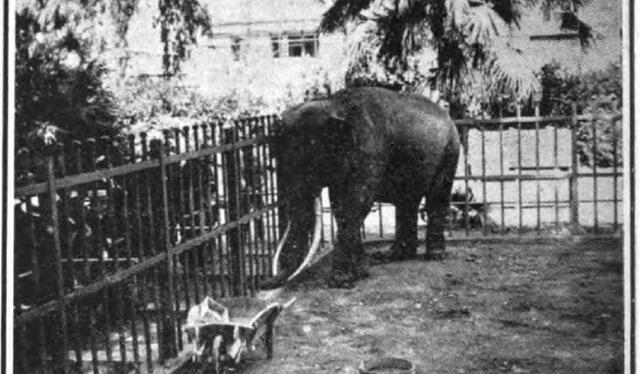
x: 488, y: 308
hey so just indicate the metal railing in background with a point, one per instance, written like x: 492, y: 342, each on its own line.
x: 523, y: 176
x: 125, y: 235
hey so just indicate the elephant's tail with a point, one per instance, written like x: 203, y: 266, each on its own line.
x: 446, y: 170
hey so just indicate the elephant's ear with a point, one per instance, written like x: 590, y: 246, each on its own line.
x: 341, y: 130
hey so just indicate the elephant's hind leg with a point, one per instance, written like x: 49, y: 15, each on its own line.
x: 437, y: 207
x: 406, y: 243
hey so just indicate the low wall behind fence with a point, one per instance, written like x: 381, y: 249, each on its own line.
x: 117, y: 238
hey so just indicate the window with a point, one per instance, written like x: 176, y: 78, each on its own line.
x: 295, y: 44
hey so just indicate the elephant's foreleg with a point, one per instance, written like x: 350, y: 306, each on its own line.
x: 349, y: 261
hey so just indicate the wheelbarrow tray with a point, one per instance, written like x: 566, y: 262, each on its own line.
x: 245, y: 312
x: 246, y: 316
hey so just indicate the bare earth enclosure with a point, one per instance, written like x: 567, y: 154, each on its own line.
x: 553, y: 307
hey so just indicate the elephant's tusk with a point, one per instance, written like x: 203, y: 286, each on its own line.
x: 315, y: 242
x: 275, y: 266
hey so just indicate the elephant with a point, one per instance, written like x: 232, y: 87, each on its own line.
x: 365, y: 144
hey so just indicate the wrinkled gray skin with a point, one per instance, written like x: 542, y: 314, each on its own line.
x: 366, y: 144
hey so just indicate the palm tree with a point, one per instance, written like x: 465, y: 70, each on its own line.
x: 470, y: 40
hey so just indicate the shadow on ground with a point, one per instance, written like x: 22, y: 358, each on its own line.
x: 488, y: 308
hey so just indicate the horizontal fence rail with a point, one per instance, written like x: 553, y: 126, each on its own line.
x: 117, y: 238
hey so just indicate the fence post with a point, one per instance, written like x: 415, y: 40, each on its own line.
x: 519, y: 179
x: 274, y: 127
x: 234, y: 213
x: 168, y: 348
x: 60, y: 352
x: 574, y: 200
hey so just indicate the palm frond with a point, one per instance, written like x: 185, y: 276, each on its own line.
x: 511, y: 72
x: 341, y: 12
x: 484, y: 25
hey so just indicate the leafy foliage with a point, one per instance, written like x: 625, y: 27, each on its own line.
x: 599, y: 93
x: 469, y: 37
x: 180, y: 21
x: 59, y: 91
x: 153, y: 104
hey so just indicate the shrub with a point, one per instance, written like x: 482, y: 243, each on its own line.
x: 59, y: 91
x: 155, y: 104
x: 598, y: 93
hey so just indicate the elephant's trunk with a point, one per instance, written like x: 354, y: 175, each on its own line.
x: 315, y: 244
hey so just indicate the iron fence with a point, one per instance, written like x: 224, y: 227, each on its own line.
x: 124, y: 236
x: 117, y: 238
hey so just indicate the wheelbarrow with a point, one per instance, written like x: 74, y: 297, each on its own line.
x: 222, y: 331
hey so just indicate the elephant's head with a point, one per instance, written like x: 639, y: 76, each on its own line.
x: 306, y: 147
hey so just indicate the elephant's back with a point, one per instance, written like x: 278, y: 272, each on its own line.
x: 405, y: 118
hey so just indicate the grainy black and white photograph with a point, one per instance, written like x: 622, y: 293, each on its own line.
x: 319, y: 186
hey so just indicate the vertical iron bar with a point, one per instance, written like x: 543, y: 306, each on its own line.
x: 180, y: 207
x: 87, y: 246
x: 37, y: 278
x: 171, y: 172
x: 594, y: 151
x: 485, y: 206
x: 574, y: 199
x: 205, y: 170
x: 152, y: 226
x: 202, y: 208
x: 216, y: 139
x: 226, y: 137
x: 138, y: 228
x: 233, y: 201
x: 109, y: 153
x: 134, y: 286
x: 169, y: 316
x: 537, y: 124
x: 465, y: 137
x: 255, y: 200
x: 555, y: 168
x: 66, y: 227
x: 238, y: 203
x: 519, y: 209
x: 379, y: 219
x: 58, y: 253
x: 272, y: 190
x: 502, y: 229
x: 193, y: 258
x: 265, y: 176
x: 615, y: 174
x: 245, y: 174
x: 100, y: 252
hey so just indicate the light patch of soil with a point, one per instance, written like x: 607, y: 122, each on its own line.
x: 488, y: 308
